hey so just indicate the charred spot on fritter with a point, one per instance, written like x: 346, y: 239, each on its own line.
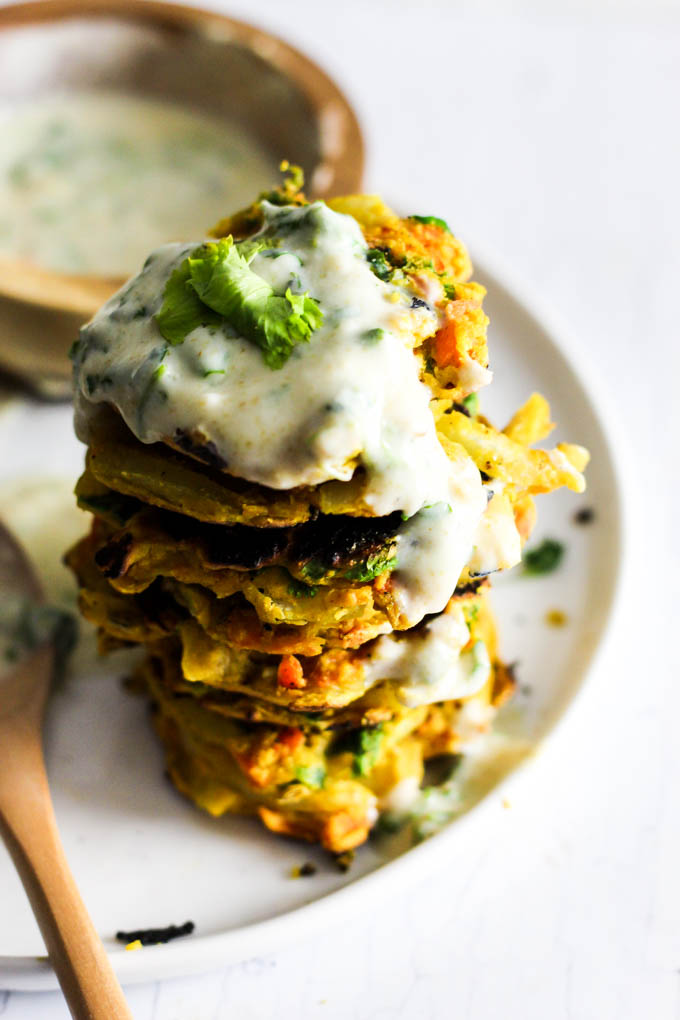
x: 250, y: 548
x: 197, y: 445
x: 359, y: 546
x: 159, y: 608
x: 343, y: 542
x: 471, y: 587
x: 235, y: 545
x: 112, y: 558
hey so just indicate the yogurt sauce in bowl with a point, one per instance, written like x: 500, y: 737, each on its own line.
x: 91, y: 181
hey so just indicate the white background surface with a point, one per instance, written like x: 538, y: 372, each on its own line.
x: 551, y: 135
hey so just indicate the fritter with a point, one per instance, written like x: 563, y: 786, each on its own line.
x: 297, y: 503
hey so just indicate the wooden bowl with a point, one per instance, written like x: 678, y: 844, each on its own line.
x: 157, y: 50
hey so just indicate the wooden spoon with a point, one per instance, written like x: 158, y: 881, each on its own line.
x: 27, y: 822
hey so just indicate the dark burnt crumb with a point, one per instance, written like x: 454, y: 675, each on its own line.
x: 344, y: 861
x: 417, y: 302
x: 304, y: 870
x: 155, y: 936
x: 485, y: 477
x: 462, y: 409
x: 586, y: 515
x: 440, y: 768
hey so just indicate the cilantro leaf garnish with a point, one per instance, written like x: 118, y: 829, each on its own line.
x: 379, y: 263
x: 215, y: 283
x: 222, y: 279
x: 182, y: 310
x: 311, y: 775
x: 363, y: 744
x: 372, y: 566
x: 471, y: 404
x: 543, y: 558
x: 313, y: 570
x: 434, y: 220
x: 368, y: 741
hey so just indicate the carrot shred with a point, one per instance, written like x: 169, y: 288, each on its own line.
x: 290, y: 672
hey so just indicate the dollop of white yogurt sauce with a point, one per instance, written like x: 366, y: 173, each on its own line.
x: 430, y: 666
x: 350, y: 397
x: 497, y: 543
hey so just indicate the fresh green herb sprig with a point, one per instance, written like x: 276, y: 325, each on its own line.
x: 367, y: 749
x: 434, y: 220
x: 313, y: 776
x: 182, y: 310
x: 215, y: 284
x: 364, y: 746
x: 373, y: 336
x: 372, y: 566
x: 471, y: 613
x: 300, y: 590
x: 313, y: 570
x: 471, y: 404
x: 380, y: 264
x: 365, y: 570
x: 543, y: 558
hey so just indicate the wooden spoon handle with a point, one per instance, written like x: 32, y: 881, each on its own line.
x: 28, y: 826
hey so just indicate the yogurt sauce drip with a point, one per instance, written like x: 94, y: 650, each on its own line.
x: 431, y: 666
x: 349, y: 398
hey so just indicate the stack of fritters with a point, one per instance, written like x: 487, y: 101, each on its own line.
x: 261, y: 610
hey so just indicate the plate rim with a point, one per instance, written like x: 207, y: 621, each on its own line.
x: 204, y: 953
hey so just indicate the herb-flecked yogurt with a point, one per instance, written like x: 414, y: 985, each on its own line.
x: 348, y: 398
x: 91, y: 182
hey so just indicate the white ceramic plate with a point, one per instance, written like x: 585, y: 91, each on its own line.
x: 145, y: 857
